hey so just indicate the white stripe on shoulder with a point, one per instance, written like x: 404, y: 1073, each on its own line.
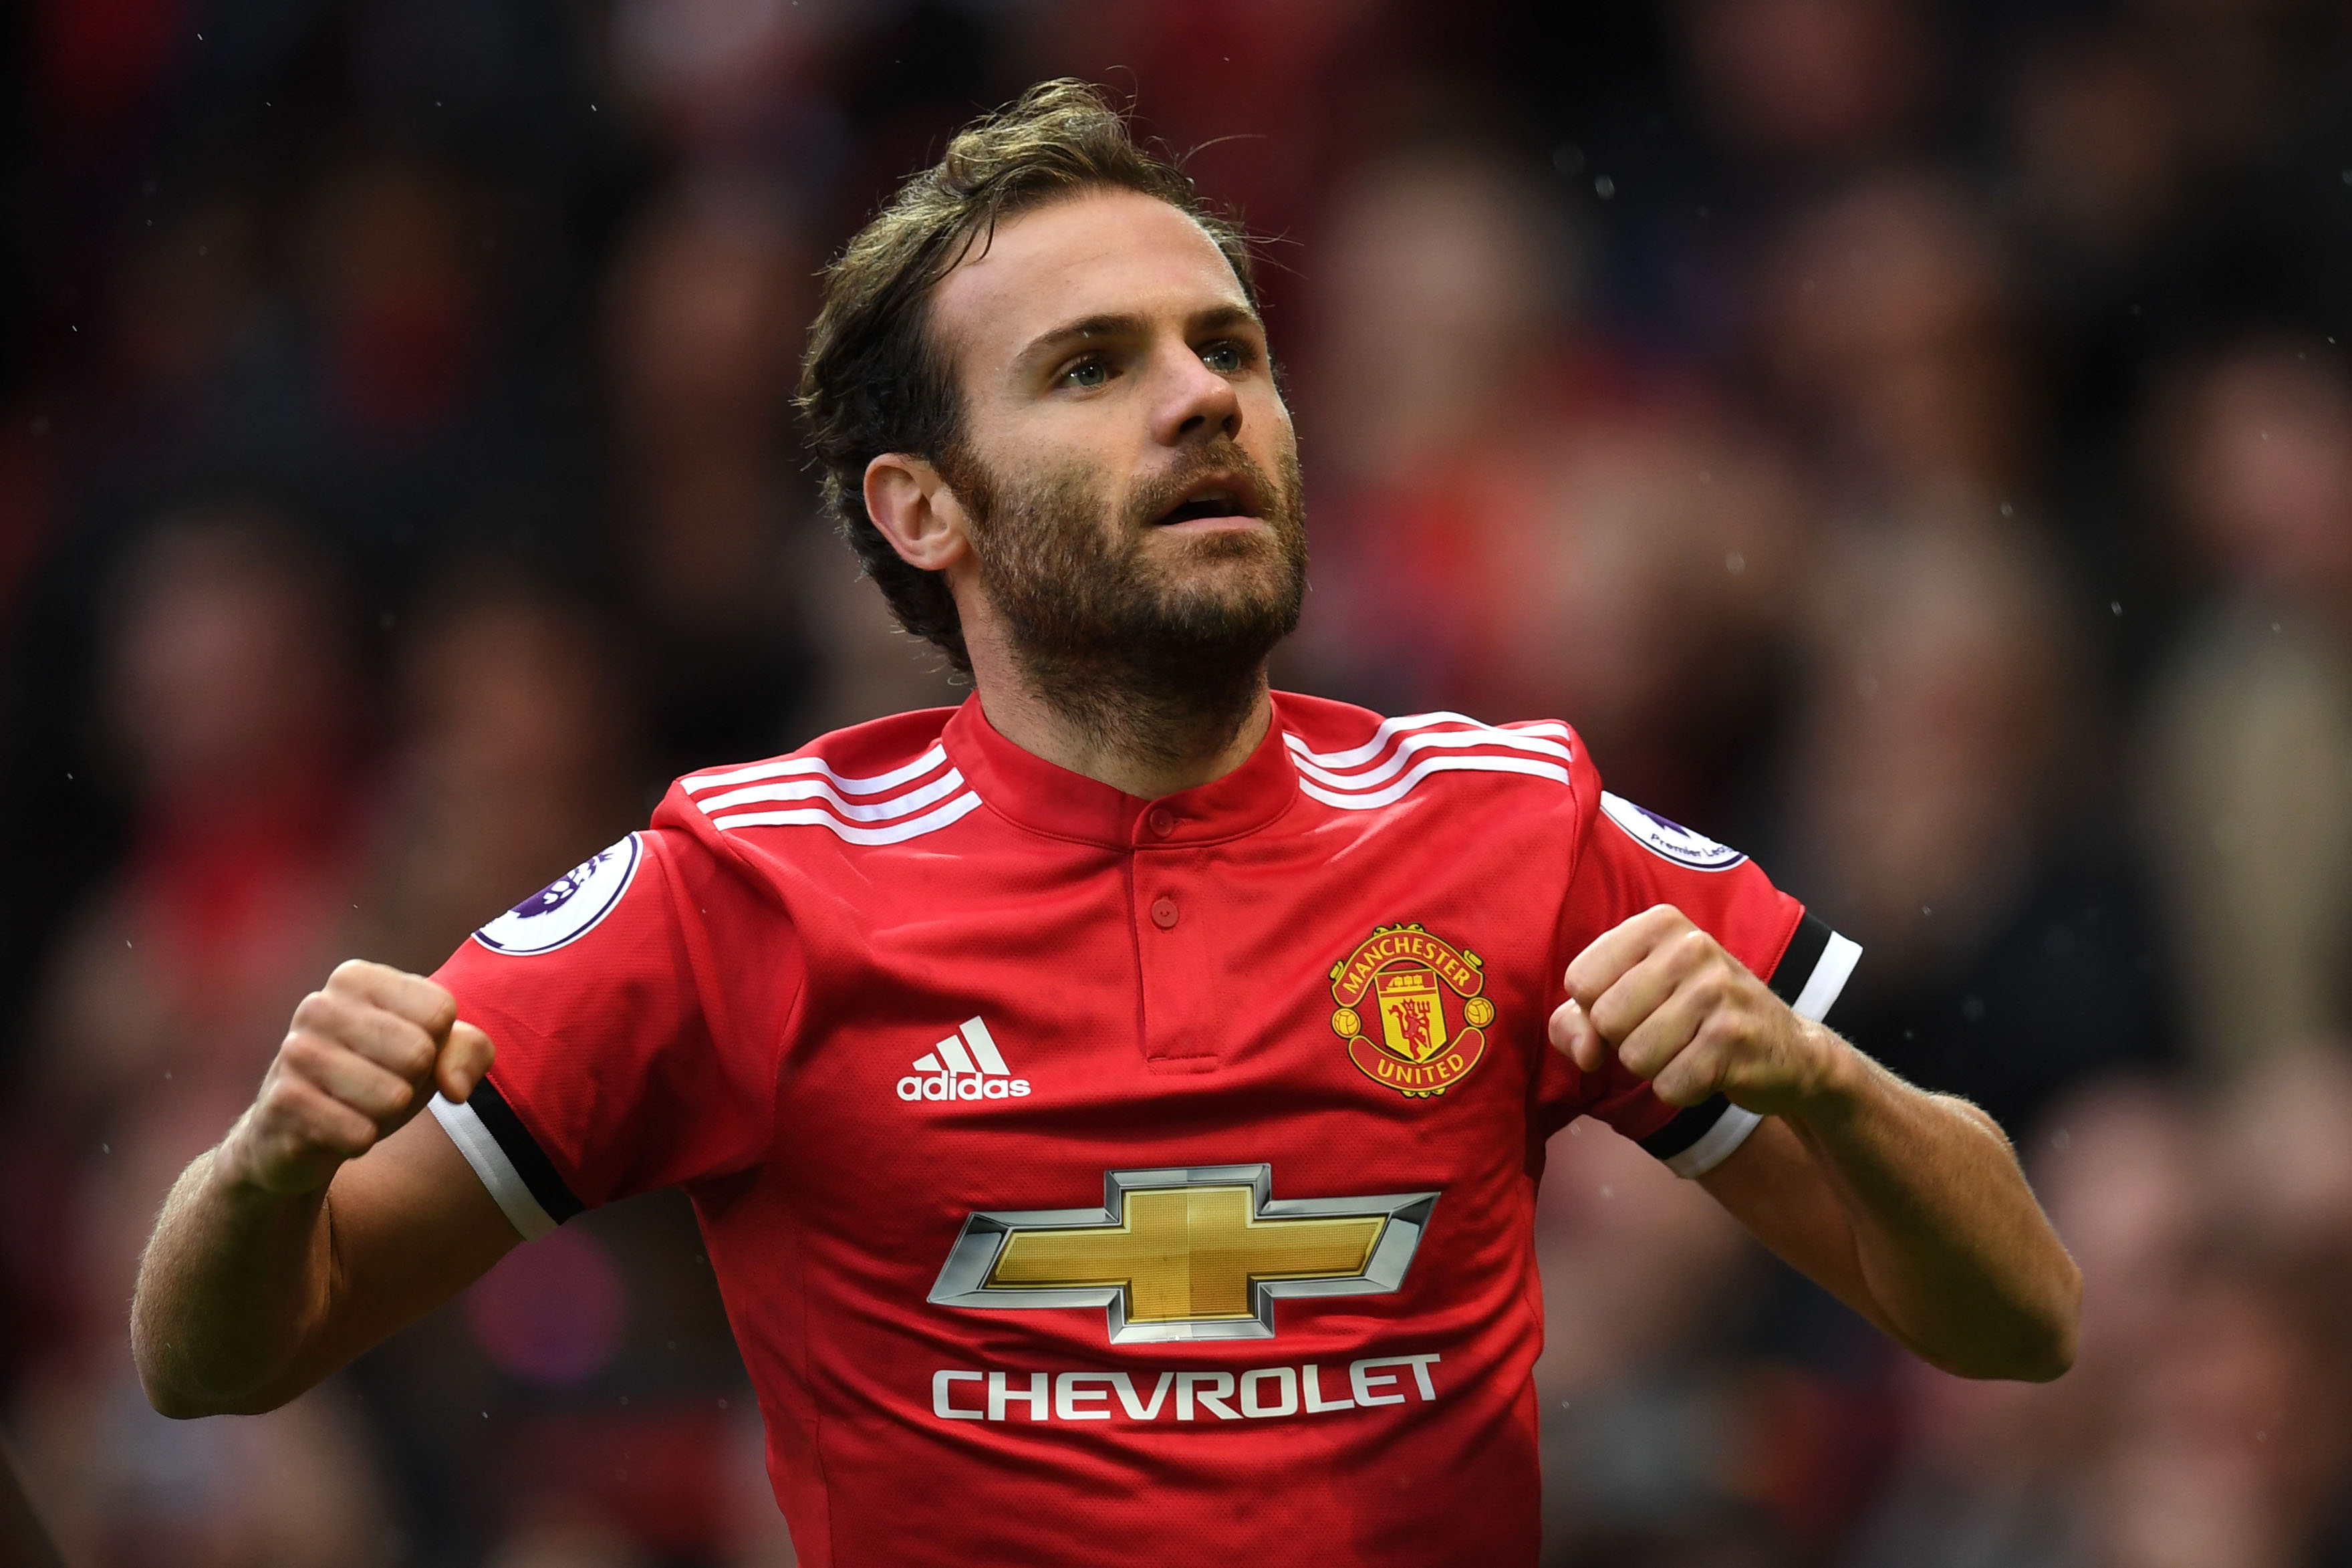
x: 481, y: 1150
x: 938, y: 789
x: 896, y: 832
x: 813, y: 780
x: 1427, y: 740
x: 1422, y: 770
x: 1365, y: 777
x: 1355, y: 756
x: 795, y: 767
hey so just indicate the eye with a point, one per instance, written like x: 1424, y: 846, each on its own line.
x: 1086, y: 374
x: 1226, y: 358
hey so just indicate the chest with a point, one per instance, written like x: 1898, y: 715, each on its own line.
x: 1013, y: 1026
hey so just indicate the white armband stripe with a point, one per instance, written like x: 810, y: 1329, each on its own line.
x: 490, y: 1162
x: 1828, y: 978
x: 1715, y: 1145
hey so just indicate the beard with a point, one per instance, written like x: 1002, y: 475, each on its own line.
x: 1159, y: 651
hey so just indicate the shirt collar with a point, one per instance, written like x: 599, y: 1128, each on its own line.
x: 1044, y: 798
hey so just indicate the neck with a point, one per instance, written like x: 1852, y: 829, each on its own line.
x: 1146, y: 744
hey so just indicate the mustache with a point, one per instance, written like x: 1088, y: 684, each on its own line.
x: 1156, y: 498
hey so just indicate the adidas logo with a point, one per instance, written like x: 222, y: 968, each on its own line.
x: 965, y: 1065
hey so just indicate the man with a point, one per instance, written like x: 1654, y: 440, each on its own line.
x: 1114, y: 1106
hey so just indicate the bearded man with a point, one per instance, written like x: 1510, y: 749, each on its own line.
x: 1115, y: 1106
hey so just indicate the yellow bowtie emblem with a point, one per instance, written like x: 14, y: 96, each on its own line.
x: 1187, y: 1252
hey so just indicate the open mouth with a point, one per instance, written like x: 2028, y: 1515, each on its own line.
x: 1212, y: 498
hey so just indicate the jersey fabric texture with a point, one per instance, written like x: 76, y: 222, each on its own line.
x: 1086, y: 1174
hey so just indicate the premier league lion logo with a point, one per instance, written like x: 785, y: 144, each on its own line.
x: 568, y: 908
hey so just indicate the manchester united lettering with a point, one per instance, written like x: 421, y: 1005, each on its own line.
x: 1408, y: 944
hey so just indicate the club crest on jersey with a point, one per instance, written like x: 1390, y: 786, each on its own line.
x: 1393, y: 1010
x: 567, y: 909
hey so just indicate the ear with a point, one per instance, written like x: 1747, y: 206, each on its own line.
x: 914, y: 509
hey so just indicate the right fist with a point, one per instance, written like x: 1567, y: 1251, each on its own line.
x: 363, y: 1056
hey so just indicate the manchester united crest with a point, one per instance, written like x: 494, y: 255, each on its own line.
x: 1398, y: 995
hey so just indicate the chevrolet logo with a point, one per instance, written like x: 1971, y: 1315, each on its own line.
x: 1198, y: 1252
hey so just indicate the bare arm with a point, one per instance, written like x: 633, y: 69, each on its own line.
x: 330, y: 1215
x: 1909, y: 1206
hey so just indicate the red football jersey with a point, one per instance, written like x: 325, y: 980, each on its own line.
x: 1082, y: 1170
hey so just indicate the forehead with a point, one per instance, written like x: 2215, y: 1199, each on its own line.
x: 1099, y: 253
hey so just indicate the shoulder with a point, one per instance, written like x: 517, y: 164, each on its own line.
x: 1355, y: 760
x: 879, y: 783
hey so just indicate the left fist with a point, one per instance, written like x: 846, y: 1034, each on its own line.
x: 1689, y: 1018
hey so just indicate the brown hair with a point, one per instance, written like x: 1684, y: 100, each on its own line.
x: 874, y: 381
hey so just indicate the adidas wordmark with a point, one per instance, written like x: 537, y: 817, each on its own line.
x: 965, y: 1065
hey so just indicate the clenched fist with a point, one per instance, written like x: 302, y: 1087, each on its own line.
x: 1685, y: 1014
x: 363, y: 1056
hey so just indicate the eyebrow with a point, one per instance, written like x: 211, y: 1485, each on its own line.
x: 1217, y: 317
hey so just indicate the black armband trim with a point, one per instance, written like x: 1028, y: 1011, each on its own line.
x: 522, y: 1150
x: 1803, y: 956
x: 1814, y: 969
x: 1686, y: 1129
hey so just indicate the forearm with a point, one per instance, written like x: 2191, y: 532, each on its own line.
x: 1948, y: 1240
x: 331, y: 1214
x: 1909, y: 1206
x: 234, y: 1282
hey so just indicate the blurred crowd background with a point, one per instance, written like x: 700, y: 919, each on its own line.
x: 1912, y: 441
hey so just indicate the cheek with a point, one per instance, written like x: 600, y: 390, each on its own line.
x: 1070, y: 447
x: 1265, y: 421
x: 1275, y: 449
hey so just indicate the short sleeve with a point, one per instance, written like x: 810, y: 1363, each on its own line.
x: 1631, y: 860
x: 621, y: 1068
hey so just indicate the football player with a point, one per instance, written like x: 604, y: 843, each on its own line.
x: 1115, y: 1106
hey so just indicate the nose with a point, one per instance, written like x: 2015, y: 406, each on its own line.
x: 1193, y: 402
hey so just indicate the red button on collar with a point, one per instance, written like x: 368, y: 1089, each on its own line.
x: 1163, y: 912
x: 1162, y: 821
